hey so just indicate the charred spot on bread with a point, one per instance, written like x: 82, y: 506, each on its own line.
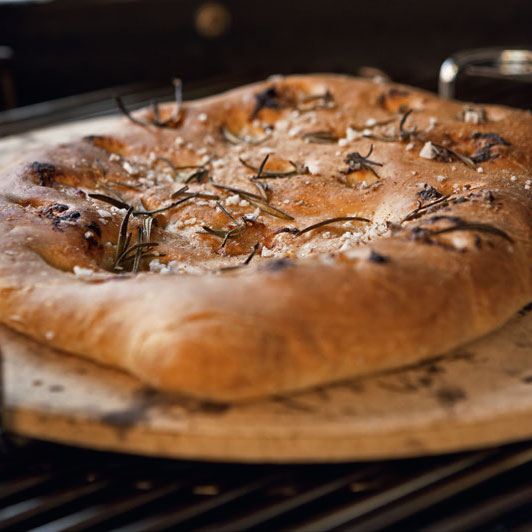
x: 269, y: 98
x: 429, y: 193
x: 46, y: 173
x: 378, y: 258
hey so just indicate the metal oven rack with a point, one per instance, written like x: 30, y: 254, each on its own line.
x: 50, y: 488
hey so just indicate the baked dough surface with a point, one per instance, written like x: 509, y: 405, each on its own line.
x: 228, y: 297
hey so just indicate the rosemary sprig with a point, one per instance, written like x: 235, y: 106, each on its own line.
x: 235, y: 139
x: 199, y: 195
x: 183, y: 192
x: 446, y: 153
x: 252, y: 254
x: 268, y: 209
x: 421, y: 209
x: 147, y: 223
x: 123, y: 109
x: 238, y: 191
x: 100, y: 168
x: 130, y: 253
x: 297, y: 168
x: 170, y: 122
x: 198, y: 176
x: 330, y: 221
x: 112, y: 201
x: 244, y: 263
x: 226, y: 235
x: 226, y: 212
x: 403, y: 135
x: 356, y: 162
x: 138, y: 253
x: 260, y: 201
x: 473, y: 226
x: 321, y: 137
x: 123, y: 238
x: 166, y: 207
x: 406, y: 135
x: 124, y: 252
x: 262, y: 189
x: 325, y: 101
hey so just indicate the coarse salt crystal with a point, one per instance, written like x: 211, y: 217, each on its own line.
x: 480, y: 169
x: 114, y: 157
x: 370, y: 122
x: 156, y: 267
x: 351, y: 134
x: 129, y: 168
x: 513, y: 178
x: 473, y: 116
x: 441, y: 178
x: 342, y: 142
x: 267, y: 252
x: 292, y: 132
x: 233, y: 200
x: 78, y: 270
x: 49, y: 335
x: 202, y: 117
x: 427, y: 152
x: 409, y: 146
x: 266, y: 151
x: 313, y: 167
x: 104, y: 214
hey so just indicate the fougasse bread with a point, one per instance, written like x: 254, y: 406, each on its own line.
x: 279, y: 236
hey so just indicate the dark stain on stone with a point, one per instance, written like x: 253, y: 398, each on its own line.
x: 146, y: 399
x: 450, y: 396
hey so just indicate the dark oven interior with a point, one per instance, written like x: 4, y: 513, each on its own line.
x: 60, y: 48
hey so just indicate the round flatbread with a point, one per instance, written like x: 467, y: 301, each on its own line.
x: 282, y: 235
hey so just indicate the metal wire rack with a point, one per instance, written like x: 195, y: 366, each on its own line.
x: 48, y: 487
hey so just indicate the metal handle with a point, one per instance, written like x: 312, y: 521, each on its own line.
x: 498, y: 63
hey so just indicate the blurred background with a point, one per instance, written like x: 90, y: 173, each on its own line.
x: 57, y: 49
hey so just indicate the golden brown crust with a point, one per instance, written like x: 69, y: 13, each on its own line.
x: 311, y: 307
